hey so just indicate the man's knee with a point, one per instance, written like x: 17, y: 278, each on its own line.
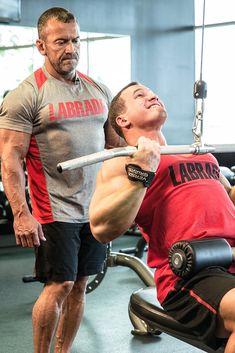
x: 62, y: 289
x: 79, y: 287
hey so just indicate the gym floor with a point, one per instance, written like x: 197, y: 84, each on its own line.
x: 106, y: 327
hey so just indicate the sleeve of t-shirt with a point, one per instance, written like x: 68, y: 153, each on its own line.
x: 17, y: 109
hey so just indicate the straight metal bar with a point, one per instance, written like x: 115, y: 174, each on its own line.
x: 129, y: 151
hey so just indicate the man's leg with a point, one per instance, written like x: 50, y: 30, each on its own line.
x: 46, y: 312
x: 227, y: 314
x: 71, y: 316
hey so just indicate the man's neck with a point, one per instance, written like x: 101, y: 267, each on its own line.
x: 70, y: 78
x: 156, y: 135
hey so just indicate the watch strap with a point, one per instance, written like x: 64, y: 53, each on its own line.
x: 136, y: 173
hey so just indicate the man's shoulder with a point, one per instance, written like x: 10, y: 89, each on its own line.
x: 95, y: 83
x: 29, y: 84
x: 35, y: 80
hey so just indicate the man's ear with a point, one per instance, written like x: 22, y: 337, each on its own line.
x: 41, y: 47
x: 122, y: 121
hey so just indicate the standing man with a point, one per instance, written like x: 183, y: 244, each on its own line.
x: 55, y: 114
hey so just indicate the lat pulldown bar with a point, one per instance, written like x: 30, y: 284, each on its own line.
x: 129, y: 151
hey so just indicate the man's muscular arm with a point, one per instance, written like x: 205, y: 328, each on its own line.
x: 116, y: 200
x: 13, y: 149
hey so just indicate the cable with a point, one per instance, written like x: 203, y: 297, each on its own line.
x: 203, y: 30
x: 200, y: 93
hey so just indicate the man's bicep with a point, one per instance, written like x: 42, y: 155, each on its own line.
x: 103, y: 187
x: 109, y: 180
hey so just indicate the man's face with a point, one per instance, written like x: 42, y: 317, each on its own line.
x: 61, y: 47
x: 143, y: 107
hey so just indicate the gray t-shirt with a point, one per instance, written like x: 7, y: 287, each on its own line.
x: 65, y: 121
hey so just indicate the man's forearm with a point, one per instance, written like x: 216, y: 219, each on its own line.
x: 13, y: 178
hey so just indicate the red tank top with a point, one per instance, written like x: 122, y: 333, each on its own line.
x: 185, y: 201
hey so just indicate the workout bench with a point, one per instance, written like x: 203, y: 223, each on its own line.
x: 185, y: 258
x: 148, y: 318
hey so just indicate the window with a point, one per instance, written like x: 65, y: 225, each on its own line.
x: 217, y: 11
x: 218, y: 68
x: 104, y: 57
x: 18, y: 55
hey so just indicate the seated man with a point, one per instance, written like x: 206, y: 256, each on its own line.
x: 171, y: 198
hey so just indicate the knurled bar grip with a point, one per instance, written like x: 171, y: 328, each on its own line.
x: 129, y: 151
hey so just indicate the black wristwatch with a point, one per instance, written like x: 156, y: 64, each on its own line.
x: 136, y: 173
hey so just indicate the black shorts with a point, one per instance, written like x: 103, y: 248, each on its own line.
x: 195, y: 302
x: 69, y: 252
